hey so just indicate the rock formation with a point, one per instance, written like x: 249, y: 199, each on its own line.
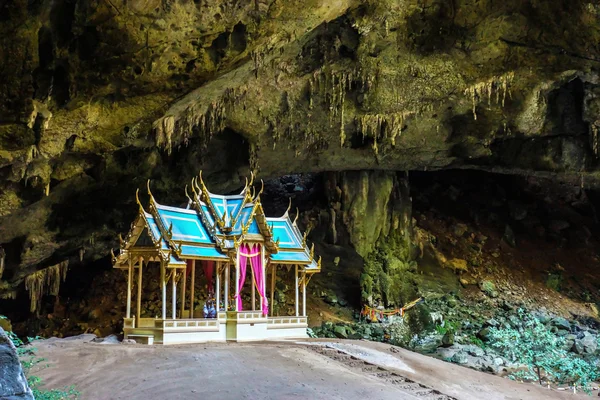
x: 96, y: 96
x: 13, y: 383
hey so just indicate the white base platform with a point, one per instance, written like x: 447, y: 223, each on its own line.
x: 243, y: 326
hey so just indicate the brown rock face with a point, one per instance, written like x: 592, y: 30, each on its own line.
x: 97, y: 96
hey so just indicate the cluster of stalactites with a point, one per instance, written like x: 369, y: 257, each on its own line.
x: 332, y: 87
x: 497, y: 85
x: 205, y: 120
x: 45, y: 281
x: 382, y: 127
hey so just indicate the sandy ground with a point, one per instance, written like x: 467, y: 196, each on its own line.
x: 275, y: 370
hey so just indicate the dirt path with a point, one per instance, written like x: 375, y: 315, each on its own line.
x: 342, y: 370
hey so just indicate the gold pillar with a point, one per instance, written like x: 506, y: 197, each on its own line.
x: 192, y: 289
x: 182, y: 306
x: 273, y: 278
x: 139, y: 292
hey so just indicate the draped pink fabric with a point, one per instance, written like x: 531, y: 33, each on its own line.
x: 243, y: 250
x: 257, y: 267
x: 209, y: 268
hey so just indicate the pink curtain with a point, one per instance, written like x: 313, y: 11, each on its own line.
x: 243, y: 250
x: 209, y: 268
x: 257, y: 267
x: 188, y: 267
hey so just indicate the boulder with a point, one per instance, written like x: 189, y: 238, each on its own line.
x: 340, y: 332
x: 484, y: 334
x: 586, y: 345
x: 561, y: 323
x: 13, y: 383
x: 475, y: 351
x: 460, y: 229
x: 458, y: 264
x: 460, y: 358
x: 509, y: 236
x: 448, y: 339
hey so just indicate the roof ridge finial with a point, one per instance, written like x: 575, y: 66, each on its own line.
x: 262, y: 188
x: 297, y: 215
x: 286, y: 213
x: 187, y: 195
x: 251, y: 178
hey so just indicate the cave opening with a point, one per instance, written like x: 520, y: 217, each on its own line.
x: 502, y: 225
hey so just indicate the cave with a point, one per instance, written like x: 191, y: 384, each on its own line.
x: 443, y: 158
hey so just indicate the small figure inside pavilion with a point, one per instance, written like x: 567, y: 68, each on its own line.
x: 235, y: 245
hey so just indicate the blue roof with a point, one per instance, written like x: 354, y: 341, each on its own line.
x: 300, y: 257
x: 187, y: 227
x: 197, y: 235
x: 188, y: 251
x: 174, y: 261
x: 287, y: 234
x: 154, y: 231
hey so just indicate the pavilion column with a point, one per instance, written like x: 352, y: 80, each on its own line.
x: 296, y: 285
x: 218, y: 289
x: 192, y: 289
x: 139, y: 292
x: 129, y: 277
x: 273, y: 278
x: 227, y: 274
x: 182, y: 305
x: 304, y: 294
x: 174, y: 294
x: 163, y: 287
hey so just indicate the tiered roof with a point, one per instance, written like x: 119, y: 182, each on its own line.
x: 213, y: 226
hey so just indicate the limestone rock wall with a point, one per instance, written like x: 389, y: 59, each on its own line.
x: 97, y: 96
x: 13, y: 383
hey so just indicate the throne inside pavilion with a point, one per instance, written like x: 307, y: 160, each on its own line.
x: 230, y: 239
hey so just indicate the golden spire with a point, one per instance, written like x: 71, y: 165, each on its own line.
x: 137, y: 199
x: 285, y: 214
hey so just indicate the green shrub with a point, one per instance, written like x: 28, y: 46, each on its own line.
x: 554, y: 281
x: 534, y: 345
x: 488, y: 288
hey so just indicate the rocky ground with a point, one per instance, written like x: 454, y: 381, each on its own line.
x: 321, y: 370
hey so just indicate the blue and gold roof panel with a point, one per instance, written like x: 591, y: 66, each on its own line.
x: 186, y: 226
x: 189, y: 251
x: 285, y: 232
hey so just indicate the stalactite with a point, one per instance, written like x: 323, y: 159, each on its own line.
x: 11, y: 295
x: 81, y: 254
x: 45, y: 281
x: 500, y: 84
x: 380, y: 127
x: 595, y: 129
x: 2, y: 259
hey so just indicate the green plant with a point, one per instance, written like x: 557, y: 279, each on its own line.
x: 476, y: 341
x: 534, y: 345
x: 554, y: 281
x: 28, y: 361
x: 488, y: 288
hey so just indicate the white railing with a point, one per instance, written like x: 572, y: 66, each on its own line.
x: 287, y: 322
x: 194, y: 325
x: 246, y: 317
